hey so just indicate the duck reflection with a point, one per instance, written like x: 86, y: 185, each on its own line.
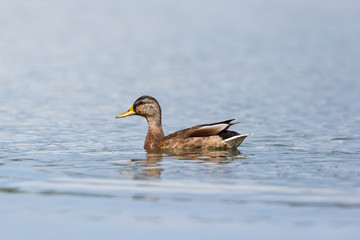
x: 151, y: 167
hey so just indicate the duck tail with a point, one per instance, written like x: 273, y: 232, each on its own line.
x: 235, y: 141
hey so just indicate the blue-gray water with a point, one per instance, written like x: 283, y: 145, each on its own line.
x: 289, y: 70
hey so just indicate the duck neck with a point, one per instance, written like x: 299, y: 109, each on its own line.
x: 155, y: 132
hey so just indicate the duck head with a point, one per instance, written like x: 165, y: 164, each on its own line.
x: 145, y: 106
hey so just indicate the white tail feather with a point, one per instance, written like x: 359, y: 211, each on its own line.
x: 235, y: 141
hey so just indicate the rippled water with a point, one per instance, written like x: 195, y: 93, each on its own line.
x: 288, y: 70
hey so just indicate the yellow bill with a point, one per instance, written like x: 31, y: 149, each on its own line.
x: 127, y: 113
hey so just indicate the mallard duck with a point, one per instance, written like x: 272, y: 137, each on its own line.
x: 213, y: 135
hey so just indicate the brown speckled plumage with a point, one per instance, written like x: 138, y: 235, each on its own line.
x: 214, y: 135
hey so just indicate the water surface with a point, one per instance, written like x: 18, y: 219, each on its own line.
x: 288, y: 70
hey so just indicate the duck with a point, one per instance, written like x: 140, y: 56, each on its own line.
x: 209, y: 136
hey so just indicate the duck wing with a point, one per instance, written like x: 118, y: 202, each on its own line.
x: 204, y: 130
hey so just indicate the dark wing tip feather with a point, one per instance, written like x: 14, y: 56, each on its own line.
x: 210, y: 124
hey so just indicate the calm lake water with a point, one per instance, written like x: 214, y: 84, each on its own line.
x: 289, y: 70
